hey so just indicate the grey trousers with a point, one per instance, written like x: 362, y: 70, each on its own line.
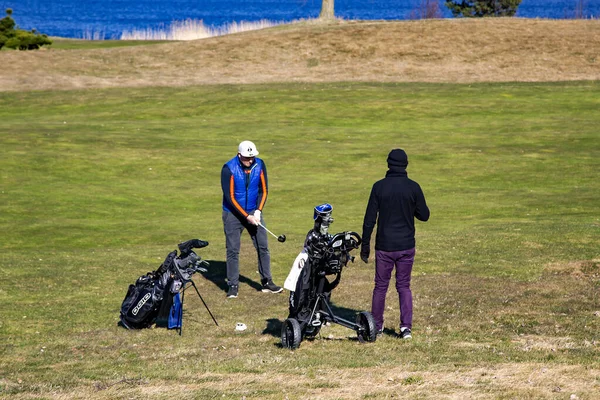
x: 233, y: 228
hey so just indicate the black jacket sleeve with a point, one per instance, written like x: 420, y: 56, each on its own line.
x: 421, y: 210
x: 225, y: 178
x: 369, y: 222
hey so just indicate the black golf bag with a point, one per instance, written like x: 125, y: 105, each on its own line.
x: 309, y: 306
x: 150, y: 299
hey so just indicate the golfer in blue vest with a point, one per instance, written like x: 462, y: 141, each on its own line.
x: 245, y: 189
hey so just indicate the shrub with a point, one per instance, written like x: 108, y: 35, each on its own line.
x: 427, y: 9
x: 14, y: 38
x: 7, y: 23
x: 483, y: 8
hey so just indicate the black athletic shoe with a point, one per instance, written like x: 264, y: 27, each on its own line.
x: 405, y: 333
x: 232, y: 293
x: 270, y: 287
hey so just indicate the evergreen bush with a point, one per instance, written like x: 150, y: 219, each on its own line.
x: 483, y: 8
x: 14, y: 38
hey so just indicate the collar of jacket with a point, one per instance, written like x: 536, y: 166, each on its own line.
x: 396, y: 171
x: 244, y: 168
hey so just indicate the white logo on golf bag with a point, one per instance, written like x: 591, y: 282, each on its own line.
x: 141, y: 303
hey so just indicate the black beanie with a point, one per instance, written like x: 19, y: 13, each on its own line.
x: 397, y: 158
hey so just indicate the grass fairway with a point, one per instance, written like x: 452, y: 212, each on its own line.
x: 59, y: 43
x: 97, y: 186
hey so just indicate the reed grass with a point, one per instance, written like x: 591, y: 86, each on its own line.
x: 193, y: 29
x: 93, y: 34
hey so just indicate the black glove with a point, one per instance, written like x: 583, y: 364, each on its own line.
x: 364, y: 253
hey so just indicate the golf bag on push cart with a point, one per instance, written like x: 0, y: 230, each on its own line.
x: 323, y: 257
x: 157, y: 297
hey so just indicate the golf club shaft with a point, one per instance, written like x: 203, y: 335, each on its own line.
x: 266, y: 229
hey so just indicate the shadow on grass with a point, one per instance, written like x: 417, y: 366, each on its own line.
x: 273, y: 327
x: 390, y: 332
x: 217, y: 274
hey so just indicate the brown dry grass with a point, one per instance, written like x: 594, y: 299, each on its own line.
x: 462, y: 51
x: 536, y: 380
x: 408, y: 378
x: 509, y: 380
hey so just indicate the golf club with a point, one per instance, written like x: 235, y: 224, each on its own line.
x: 281, y: 238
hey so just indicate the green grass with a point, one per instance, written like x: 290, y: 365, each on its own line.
x: 78, y: 44
x: 97, y: 186
x: 85, y: 44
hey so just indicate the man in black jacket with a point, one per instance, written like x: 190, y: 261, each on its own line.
x: 394, y: 203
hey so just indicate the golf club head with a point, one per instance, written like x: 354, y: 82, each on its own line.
x: 281, y: 238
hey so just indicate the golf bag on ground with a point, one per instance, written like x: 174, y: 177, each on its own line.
x: 324, y: 257
x: 154, y: 298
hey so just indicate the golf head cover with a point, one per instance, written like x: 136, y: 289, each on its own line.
x: 323, y: 218
x: 188, y: 245
x: 322, y: 211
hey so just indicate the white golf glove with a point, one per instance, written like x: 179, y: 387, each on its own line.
x: 252, y: 220
x: 257, y: 214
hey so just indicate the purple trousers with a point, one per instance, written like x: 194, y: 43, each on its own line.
x: 385, y: 261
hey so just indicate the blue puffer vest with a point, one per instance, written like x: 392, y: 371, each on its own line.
x: 246, y: 196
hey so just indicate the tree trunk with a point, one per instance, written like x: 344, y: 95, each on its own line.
x: 327, y: 10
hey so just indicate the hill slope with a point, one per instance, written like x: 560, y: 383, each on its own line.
x: 450, y: 50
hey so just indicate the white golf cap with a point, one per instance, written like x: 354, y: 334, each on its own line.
x: 247, y: 149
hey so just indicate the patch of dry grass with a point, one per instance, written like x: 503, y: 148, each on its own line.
x: 504, y: 380
x: 449, y: 50
x: 507, y: 341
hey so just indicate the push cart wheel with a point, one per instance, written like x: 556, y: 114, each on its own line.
x: 312, y: 331
x: 366, y: 327
x: 291, y: 335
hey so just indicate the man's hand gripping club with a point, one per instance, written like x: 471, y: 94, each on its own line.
x: 254, y: 219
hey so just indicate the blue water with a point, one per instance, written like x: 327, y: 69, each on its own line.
x: 110, y: 18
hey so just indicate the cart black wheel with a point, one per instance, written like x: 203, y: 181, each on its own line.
x: 312, y: 331
x: 291, y: 335
x: 366, y: 327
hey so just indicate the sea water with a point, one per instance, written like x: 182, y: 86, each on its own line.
x: 108, y: 19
